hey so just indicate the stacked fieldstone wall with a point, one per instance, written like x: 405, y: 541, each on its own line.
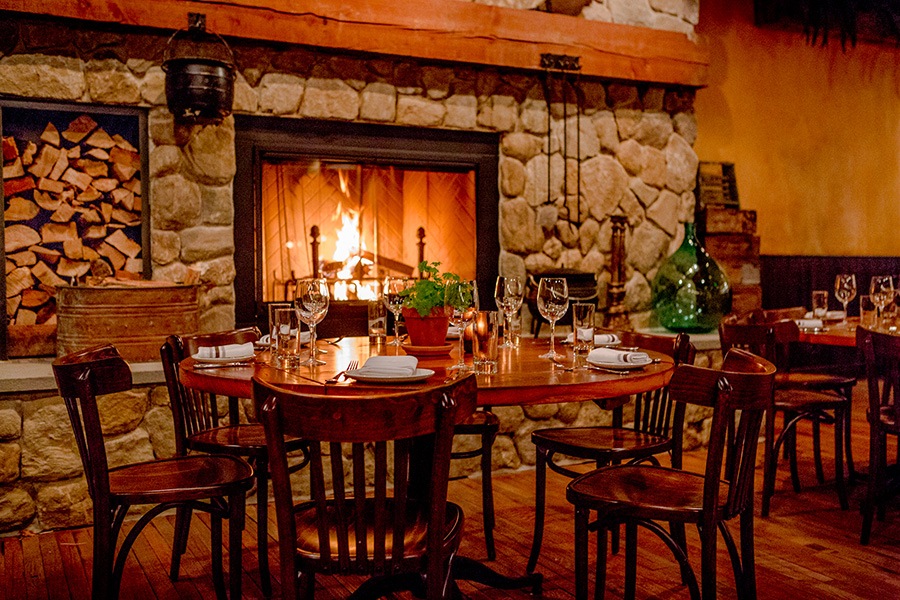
x: 633, y: 142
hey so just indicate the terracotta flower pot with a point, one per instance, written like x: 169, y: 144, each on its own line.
x: 427, y: 331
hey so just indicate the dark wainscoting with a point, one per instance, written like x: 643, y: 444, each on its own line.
x: 790, y: 280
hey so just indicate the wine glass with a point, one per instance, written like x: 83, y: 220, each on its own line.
x: 393, y: 300
x: 881, y: 290
x: 553, y: 302
x: 508, y: 292
x: 311, y: 303
x: 845, y: 290
x: 461, y: 301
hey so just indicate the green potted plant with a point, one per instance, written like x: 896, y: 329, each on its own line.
x: 424, y: 312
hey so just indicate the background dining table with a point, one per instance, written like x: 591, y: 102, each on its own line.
x: 523, y: 378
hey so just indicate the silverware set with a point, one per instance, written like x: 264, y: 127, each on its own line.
x: 339, y: 376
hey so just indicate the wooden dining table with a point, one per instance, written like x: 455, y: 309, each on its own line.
x: 523, y: 378
x: 841, y: 334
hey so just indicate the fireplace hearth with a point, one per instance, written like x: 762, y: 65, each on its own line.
x: 377, y: 184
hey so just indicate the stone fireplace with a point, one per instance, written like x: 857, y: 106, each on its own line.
x: 625, y: 146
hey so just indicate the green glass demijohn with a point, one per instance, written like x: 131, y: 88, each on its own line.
x: 690, y: 291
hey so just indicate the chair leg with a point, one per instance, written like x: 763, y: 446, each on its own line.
x: 600, y: 565
x: 791, y: 448
x: 630, y: 560
x: 876, y: 440
x: 581, y: 553
x: 104, y: 546
x: 215, y: 532
x: 262, y: 524
x: 680, y: 537
x: 747, y: 585
x: 817, y: 449
x: 236, y: 506
x: 851, y: 467
x: 179, y: 546
x: 540, y: 498
x: 708, y: 561
x: 770, y: 463
x: 840, y: 415
x: 487, y: 492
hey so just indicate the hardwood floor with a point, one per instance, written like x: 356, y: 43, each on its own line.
x: 807, y: 548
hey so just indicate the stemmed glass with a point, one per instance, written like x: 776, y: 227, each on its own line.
x: 393, y: 300
x: 553, y: 302
x: 461, y: 301
x: 845, y: 290
x: 508, y: 292
x: 311, y: 303
x: 881, y: 291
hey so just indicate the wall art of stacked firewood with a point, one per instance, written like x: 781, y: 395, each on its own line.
x: 72, y: 212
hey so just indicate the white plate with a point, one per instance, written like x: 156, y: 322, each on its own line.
x: 223, y: 359
x: 620, y: 366
x: 419, y: 375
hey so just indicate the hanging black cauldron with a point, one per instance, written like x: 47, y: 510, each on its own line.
x: 199, y: 75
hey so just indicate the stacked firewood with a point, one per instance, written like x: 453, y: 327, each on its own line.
x: 72, y: 211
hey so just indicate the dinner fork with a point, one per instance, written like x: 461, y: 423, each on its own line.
x: 338, y: 376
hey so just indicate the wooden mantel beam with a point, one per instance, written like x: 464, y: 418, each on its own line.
x: 440, y: 30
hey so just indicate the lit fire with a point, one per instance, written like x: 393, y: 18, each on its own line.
x: 348, y: 248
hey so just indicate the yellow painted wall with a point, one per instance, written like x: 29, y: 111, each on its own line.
x: 814, y: 134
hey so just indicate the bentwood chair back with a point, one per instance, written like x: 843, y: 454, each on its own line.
x: 212, y: 484
x: 656, y: 417
x: 813, y: 396
x: 882, y: 355
x: 379, y: 471
x: 640, y: 495
x: 199, y: 427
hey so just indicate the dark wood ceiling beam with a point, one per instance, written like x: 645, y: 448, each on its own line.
x: 440, y: 30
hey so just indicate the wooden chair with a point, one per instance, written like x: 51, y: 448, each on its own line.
x: 882, y: 355
x: 655, y: 420
x: 486, y: 425
x: 813, y: 396
x: 200, y: 428
x: 354, y: 523
x: 641, y: 495
x: 215, y: 484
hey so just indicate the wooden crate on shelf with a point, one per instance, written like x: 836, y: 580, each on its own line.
x: 730, y: 238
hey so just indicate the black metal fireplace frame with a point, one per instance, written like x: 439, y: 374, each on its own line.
x: 260, y: 138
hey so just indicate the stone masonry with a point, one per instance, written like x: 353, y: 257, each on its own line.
x: 634, y: 143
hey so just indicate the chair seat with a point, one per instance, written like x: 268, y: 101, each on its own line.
x: 600, y: 443
x: 242, y: 440
x: 812, y: 381
x: 642, y: 491
x: 475, y: 423
x: 803, y: 400
x: 182, y: 478
x: 415, y: 541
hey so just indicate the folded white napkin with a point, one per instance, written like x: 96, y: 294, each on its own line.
x: 600, y: 339
x: 831, y: 315
x: 810, y: 323
x: 453, y: 332
x: 611, y: 355
x: 390, y: 366
x: 226, y: 351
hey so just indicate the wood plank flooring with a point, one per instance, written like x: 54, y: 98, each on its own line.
x: 807, y: 548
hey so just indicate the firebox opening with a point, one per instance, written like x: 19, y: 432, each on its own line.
x: 375, y: 184
x: 355, y: 223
